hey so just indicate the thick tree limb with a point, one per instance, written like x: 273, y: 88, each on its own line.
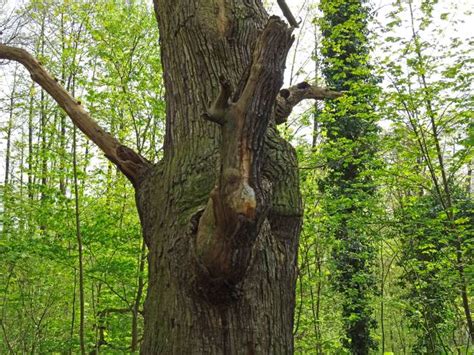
x: 289, y: 98
x: 237, y: 205
x: 129, y: 162
x: 287, y: 12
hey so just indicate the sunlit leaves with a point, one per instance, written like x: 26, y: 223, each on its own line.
x: 107, y: 55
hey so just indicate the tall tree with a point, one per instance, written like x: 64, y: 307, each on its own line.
x: 350, y: 147
x: 78, y: 34
x: 221, y: 212
x: 430, y: 105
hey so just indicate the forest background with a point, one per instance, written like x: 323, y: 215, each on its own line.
x: 416, y: 232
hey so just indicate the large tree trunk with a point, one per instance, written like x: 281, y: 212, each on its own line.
x: 221, y: 277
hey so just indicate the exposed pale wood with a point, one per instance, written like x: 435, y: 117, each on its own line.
x: 128, y: 161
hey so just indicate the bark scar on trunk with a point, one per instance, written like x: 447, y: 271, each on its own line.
x: 237, y: 205
x: 222, y: 19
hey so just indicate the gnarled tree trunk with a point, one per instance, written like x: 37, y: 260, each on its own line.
x: 221, y: 213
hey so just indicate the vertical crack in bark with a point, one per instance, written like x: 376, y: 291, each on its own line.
x: 237, y: 205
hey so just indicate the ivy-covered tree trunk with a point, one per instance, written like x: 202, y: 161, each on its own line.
x: 221, y: 213
x: 350, y: 152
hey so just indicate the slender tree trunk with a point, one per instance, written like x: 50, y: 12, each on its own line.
x: 470, y: 179
x: 73, y: 309
x: 185, y: 312
x: 62, y: 123
x: 43, y: 148
x: 316, y: 301
x: 9, y: 130
x: 318, y: 304
x: 79, y: 245
x: 382, y: 295
x: 5, y: 220
x: 43, y: 126
x: 314, y: 143
x: 30, y: 143
x: 317, y: 110
x: 21, y: 171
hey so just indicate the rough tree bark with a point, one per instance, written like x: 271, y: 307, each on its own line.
x: 224, y: 205
x: 221, y: 212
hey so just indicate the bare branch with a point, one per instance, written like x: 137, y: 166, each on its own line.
x: 289, y: 98
x: 128, y: 161
x: 287, y: 12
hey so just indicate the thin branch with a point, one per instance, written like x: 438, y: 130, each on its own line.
x: 289, y: 98
x: 287, y: 12
x: 129, y: 162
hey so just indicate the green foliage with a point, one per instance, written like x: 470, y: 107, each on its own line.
x: 386, y: 250
x: 349, y: 151
x: 318, y: 326
x: 429, y: 102
x: 101, y: 52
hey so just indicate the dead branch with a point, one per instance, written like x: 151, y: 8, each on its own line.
x: 287, y: 99
x: 129, y: 162
x: 287, y: 12
x: 237, y: 205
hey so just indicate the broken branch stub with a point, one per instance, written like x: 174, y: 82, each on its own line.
x: 218, y: 108
x: 288, y: 98
x: 288, y: 14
